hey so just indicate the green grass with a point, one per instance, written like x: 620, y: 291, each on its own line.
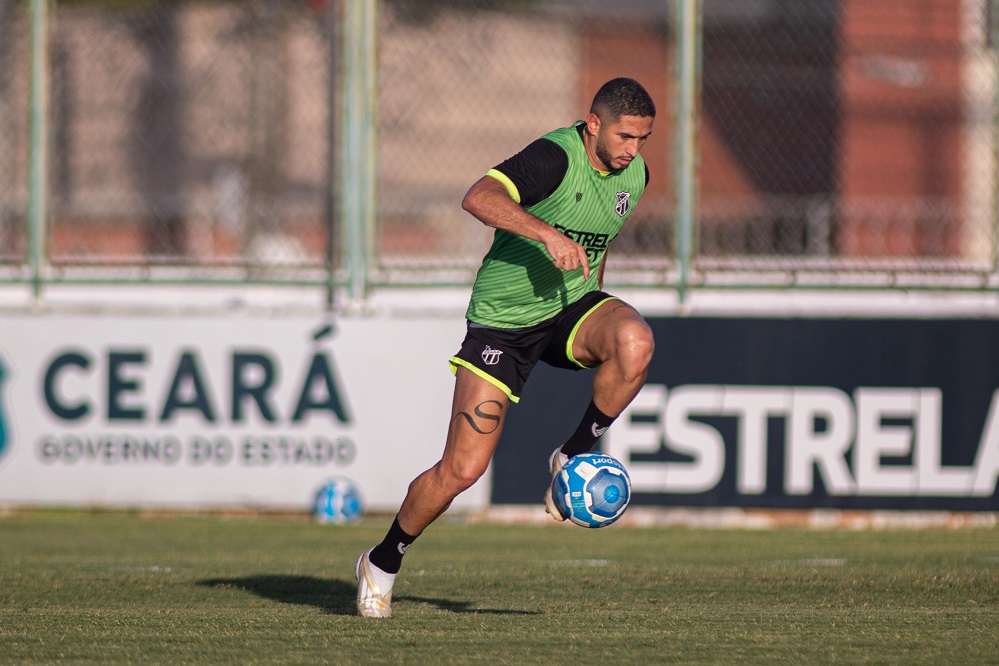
x: 81, y: 587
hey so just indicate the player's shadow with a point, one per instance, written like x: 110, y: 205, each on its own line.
x: 333, y: 596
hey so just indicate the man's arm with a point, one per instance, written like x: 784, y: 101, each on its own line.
x: 490, y: 202
x: 600, y: 271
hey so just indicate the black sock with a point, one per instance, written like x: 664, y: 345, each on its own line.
x: 593, y: 425
x: 387, y: 555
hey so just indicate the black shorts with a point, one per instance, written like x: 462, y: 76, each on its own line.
x: 505, y: 357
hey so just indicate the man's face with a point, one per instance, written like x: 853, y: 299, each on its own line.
x: 618, y: 143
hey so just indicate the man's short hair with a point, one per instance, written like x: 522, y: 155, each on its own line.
x: 622, y: 97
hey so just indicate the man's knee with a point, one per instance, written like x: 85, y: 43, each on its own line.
x: 634, y: 345
x: 459, y: 475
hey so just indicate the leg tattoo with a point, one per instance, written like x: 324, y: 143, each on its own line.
x: 484, y: 422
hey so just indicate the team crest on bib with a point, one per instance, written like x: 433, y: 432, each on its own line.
x: 623, y: 203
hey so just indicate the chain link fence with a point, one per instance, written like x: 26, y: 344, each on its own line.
x: 849, y: 137
x: 465, y: 85
x: 13, y: 133
x: 839, y: 141
x: 189, y: 133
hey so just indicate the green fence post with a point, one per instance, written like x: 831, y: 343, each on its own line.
x: 359, y: 165
x: 37, y: 158
x: 332, y: 117
x: 688, y: 75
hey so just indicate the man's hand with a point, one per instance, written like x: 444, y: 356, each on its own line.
x: 490, y: 202
x: 567, y: 254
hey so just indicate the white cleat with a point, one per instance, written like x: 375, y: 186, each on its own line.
x: 373, y: 600
x: 555, y: 463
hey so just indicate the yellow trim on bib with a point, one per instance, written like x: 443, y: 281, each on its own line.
x: 572, y: 336
x: 511, y: 189
x: 454, y: 361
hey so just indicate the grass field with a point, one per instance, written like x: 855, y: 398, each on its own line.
x: 80, y: 587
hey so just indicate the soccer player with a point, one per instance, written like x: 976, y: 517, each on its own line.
x: 556, y: 206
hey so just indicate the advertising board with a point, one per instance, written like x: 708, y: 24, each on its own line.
x: 220, y: 411
x: 770, y: 412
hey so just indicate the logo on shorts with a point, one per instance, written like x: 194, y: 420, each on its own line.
x: 623, y: 203
x: 491, y: 356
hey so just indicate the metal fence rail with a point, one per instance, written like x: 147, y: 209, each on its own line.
x: 805, y: 144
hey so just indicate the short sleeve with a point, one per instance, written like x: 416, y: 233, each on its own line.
x: 536, y: 171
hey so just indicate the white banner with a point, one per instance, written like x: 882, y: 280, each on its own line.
x: 221, y: 411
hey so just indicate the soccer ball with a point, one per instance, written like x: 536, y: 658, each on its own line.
x: 338, y: 501
x: 592, y: 489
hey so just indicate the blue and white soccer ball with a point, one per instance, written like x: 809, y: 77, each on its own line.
x: 592, y: 489
x: 338, y: 501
